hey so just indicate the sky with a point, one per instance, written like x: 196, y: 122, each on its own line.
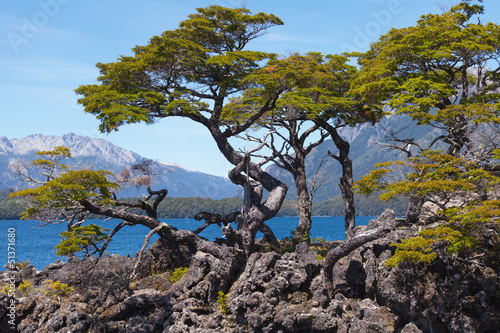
x: 50, y: 47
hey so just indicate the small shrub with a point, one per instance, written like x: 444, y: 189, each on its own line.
x: 20, y: 265
x: 5, y: 288
x: 421, y: 248
x: 222, y: 303
x: 84, y: 241
x: 57, y: 288
x: 25, y: 287
x: 153, y: 268
x: 289, y: 243
x: 317, y: 240
x: 178, y: 273
x: 320, y: 258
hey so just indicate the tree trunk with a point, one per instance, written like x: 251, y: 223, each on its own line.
x: 304, y: 205
x: 344, y: 249
x: 346, y: 181
x: 414, y: 209
x: 345, y: 184
x: 254, y: 212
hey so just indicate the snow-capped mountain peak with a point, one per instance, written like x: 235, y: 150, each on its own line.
x: 100, y: 154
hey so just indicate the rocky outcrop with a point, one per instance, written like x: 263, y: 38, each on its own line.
x: 270, y: 292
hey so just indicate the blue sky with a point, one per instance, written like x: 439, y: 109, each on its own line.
x: 50, y: 47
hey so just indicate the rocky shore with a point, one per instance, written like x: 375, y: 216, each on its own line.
x: 270, y: 292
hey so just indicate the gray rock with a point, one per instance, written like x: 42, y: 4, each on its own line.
x: 271, y: 292
x: 411, y: 328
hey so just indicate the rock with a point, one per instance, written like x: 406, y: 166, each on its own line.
x: 56, y: 265
x: 386, y: 220
x: 371, y: 317
x: 269, y: 292
x: 411, y: 328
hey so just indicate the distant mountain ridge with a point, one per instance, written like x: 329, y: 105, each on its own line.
x: 101, y: 154
x: 96, y: 154
x: 365, y: 152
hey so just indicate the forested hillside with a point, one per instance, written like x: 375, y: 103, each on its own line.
x: 11, y: 209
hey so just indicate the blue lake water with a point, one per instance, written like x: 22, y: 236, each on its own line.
x: 36, y: 244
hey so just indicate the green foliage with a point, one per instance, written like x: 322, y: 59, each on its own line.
x: 10, y: 209
x: 433, y: 175
x: 64, y: 194
x: 20, y: 265
x: 5, y: 288
x: 317, y: 240
x: 57, y: 288
x: 82, y: 240
x: 415, y: 249
x: 153, y: 268
x: 458, y: 187
x: 50, y: 163
x: 24, y: 287
x: 206, y: 53
x: 438, y: 73
x: 376, y: 179
x: 310, y: 86
x: 419, y: 67
x: 178, y: 273
x: 288, y: 244
x: 420, y: 248
x: 66, y: 190
x: 222, y: 303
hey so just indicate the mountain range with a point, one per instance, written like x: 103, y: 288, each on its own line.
x: 96, y: 154
x: 365, y: 152
x: 99, y: 154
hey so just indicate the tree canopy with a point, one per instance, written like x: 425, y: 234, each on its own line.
x: 188, y: 71
x: 444, y: 71
x: 191, y: 72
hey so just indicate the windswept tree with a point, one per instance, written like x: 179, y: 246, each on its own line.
x: 449, y: 79
x: 464, y: 197
x: 313, y: 104
x: 59, y: 194
x: 292, y: 134
x: 442, y: 72
x: 191, y: 72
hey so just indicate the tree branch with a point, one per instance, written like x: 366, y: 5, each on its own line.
x: 345, y: 249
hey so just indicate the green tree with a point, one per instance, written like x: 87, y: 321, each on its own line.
x: 63, y: 195
x: 462, y: 193
x: 442, y: 72
x: 313, y: 101
x: 191, y: 72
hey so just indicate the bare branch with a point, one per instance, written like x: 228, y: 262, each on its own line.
x: 145, y: 244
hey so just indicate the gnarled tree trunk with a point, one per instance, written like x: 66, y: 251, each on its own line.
x: 346, y: 181
x: 304, y: 205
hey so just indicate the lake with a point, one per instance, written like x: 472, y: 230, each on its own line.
x: 36, y: 244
